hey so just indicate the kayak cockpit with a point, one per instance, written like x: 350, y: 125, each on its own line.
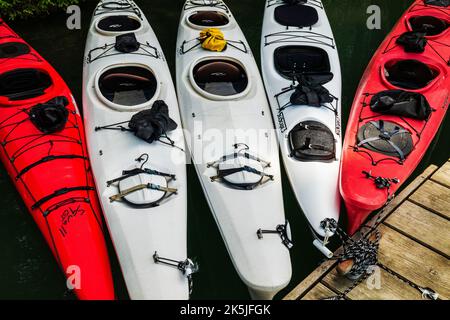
x: 430, y: 25
x: 409, y: 74
x: 208, y: 19
x: 22, y: 84
x: 119, y: 24
x: 127, y: 87
x: 290, y: 61
x: 10, y: 50
x: 220, y: 78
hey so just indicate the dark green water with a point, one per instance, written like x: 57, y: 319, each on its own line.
x: 27, y: 268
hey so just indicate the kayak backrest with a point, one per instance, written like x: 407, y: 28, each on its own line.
x: 119, y: 23
x: 293, y: 60
x: 208, y: 18
x: 128, y: 86
x: 220, y: 77
x: 297, y: 15
x: 409, y: 74
x: 431, y: 26
x: 22, y: 84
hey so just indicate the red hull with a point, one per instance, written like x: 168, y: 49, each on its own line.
x: 70, y: 221
x: 360, y: 194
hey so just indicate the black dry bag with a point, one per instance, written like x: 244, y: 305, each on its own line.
x: 50, y: 117
x: 401, y: 103
x: 149, y: 125
x: 127, y: 43
x: 413, y: 42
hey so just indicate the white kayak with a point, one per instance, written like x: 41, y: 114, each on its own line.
x: 224, y: 109
x: 302, y: 75
x: 142, y: 186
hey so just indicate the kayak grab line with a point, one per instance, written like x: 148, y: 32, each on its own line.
x: 315, y: 3
x: 121, y: 7
x: 232, y: 43
x: 48, y: 159
x: 299, y: 36
x: 58, y: 193
x: 211, y: 3
x: 147, y: 48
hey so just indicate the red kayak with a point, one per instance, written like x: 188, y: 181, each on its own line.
x: 43, y: 150
x: 399, y: 106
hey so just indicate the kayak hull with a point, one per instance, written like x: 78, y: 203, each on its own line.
x: 136, y: 232
x: 310, y: 180
x: 359, y: 192
x: 52, y: 174
x: 214, y: 124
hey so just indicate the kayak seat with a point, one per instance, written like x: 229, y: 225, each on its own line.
x: 401, y: 103
x: 430, y: 25
x: 296, y: 15
x: 13, y: 49
x: 128, y: 86
x: 207, y: 18
x: 119, y: 23
x: 312, y: 141
x: 220, y: 77
x: 409, y: 74
x: 290, y: 61
x: 21, y: 84
x: 385, y: 137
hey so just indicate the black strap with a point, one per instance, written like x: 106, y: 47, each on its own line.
x: 58, y: 193
x: 48, y: 159
x: 134, y: 172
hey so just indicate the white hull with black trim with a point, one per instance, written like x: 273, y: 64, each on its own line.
x: 225, y: 110
x: 141, y: 185
x: 301, y: 71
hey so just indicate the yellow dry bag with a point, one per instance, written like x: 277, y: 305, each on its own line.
x: 212, y: 39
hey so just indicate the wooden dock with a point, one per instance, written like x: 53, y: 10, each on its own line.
x: 414, y: 249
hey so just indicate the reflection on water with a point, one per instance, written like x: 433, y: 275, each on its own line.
x: 27, y: 269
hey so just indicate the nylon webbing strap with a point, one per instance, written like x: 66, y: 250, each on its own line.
x: 58, y: 193
x: 45, y: 160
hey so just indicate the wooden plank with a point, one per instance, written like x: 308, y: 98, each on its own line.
x: 434, y: 197
x: 309, y: 282
x: 319, y: 292
x: 422, y: 225
x: 415, y: 262
x: 442, y: 176
x: 389, y: 287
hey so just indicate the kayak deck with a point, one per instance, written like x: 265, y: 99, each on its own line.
x: 51, y: 170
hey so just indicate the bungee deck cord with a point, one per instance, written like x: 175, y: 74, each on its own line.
x: 127, y: 174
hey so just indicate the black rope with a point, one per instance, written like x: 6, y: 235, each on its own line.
x: 202, y: 3
x: 145, y: 49
x: 122, y: 7
x: 315, y: 3
x: 232, y: 43
x: 299, y: 36
x: 362, y: 119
